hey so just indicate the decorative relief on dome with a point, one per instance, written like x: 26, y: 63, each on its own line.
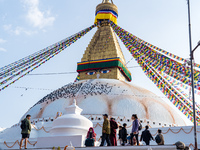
x: 94, y: 89
x: 70, y: 91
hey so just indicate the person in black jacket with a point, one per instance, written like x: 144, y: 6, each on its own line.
x: 124, y: 134
x: 120, y: 134
x: 146, y: 136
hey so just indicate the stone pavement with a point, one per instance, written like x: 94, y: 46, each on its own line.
x: 167, y: 147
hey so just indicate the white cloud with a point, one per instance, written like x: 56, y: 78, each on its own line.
x: 37, y: 17
x: 18, y: 30
x: 2, y: 41
x: 3, y: 49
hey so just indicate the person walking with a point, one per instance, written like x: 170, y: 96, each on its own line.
x: 135, y: 130
x: 159, y: 138
x: 113, y: 132
x: 124, y: 134
x: 120, y: 135
x: 26, y: 130
x: 105, y: 131
x: 146, y: 136
x: 91, y: 137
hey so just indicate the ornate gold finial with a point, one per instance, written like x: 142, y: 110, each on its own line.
x: 107, y: 1
x: 106, y: 11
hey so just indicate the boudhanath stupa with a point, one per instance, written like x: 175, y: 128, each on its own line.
x: 103, y: 86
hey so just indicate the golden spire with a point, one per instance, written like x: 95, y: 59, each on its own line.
x: 103, y: 58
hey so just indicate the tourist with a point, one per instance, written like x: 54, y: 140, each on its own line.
x: 120, y: 135
x: 180, y: 145
x: 91, y: 138
x: 26, y: 130
x: 159, y: 138
x: 146, y: 136
x: 124, y: 134
x: 134, y: 141
x: 113, y: 132
x: 135, y: 131
x: 129, y: 140
x: 105, y: 131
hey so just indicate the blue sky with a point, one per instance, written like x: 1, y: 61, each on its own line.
x: 27, y: 26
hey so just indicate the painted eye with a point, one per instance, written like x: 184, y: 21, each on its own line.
x: 105, y: 71
x: 91, y: 73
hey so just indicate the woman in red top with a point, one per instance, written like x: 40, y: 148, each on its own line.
x: 91, y: 137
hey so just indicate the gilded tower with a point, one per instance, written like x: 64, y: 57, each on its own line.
x: 103, y: 58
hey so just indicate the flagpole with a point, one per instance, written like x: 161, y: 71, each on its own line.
x: 192, y: 78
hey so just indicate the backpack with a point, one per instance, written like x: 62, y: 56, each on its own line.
x: 140, y: 126
x: 23, y: 124
x: 158, y: 139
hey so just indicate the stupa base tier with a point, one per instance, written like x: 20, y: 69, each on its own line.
x: 169, y: 147
x: 131, y: 148
x: 171, y: 136
x: 60, y: 141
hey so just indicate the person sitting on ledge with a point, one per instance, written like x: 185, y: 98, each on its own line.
x: 181, y: 146
x: 91, y: 138
x: 159, y: 138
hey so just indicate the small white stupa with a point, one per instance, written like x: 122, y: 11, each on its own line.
x: 72, y: 128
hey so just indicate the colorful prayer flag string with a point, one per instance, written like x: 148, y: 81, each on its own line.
x: 32, y: 65
x: 142, y: 54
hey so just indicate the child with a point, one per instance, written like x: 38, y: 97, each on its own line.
x: 124, y: 134
x: 134, y: 141
x: 120, y: 135
x: 129, y: 140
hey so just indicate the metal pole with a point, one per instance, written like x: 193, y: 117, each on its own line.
x: 192, y: 78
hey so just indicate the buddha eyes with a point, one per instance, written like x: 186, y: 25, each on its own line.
x: 95, y: 72
x: 91, y: 73
x: 105, y: 71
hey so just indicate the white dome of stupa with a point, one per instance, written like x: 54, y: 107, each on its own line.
x: 114, y: 97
